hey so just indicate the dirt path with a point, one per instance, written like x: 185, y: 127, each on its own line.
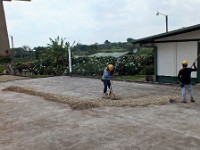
x: 30, y: 122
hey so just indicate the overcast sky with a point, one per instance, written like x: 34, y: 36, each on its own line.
x: 94, y: 21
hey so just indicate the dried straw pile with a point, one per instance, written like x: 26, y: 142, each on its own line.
x: 142, y: 102
x: 73, y: 102
x: 78, y: 104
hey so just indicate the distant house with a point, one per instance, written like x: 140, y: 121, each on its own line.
x: 171, y: 48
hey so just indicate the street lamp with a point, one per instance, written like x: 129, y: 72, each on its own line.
x: 166, y: 19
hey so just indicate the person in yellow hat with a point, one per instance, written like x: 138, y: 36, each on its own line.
x: 106, y: 77
x: 184, y: 77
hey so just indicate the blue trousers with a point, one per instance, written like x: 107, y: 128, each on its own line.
x: 106, y: 85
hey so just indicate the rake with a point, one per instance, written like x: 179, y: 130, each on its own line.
x: 111, y: 93
x: 171, y: 100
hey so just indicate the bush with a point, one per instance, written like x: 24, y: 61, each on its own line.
x: 48, y: 70
x: 2, y: 68
x: 148, y: 70
x: 126, y: 65
x: 5, y: 59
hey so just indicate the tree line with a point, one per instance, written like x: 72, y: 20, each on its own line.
x: 53, y: 58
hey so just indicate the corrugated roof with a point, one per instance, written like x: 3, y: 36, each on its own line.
x: 151, y: 39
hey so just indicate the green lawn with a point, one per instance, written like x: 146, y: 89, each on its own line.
x: 130, y: 78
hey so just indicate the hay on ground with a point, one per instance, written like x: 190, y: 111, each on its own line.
x: 112, y: 97
x: 84, y: 104
x: 132, y: 102
x: 73, y: 102
x: 78, y: 104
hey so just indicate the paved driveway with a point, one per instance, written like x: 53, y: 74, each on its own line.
x: 30, y: 122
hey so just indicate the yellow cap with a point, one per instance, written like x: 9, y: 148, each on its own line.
x: 110, y: 67
x: 185, y: 62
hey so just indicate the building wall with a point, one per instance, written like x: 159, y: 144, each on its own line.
x: 187, y: 51
x: 165, y: 59
x: 171, y: 55
x: 4, y: 42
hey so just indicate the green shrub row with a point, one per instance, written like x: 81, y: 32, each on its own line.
x: 126, y: 65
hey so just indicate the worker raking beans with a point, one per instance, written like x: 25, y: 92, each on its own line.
x: 184, y: 77
x: 106, y: 78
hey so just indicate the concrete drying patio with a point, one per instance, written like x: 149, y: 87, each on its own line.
x: 30, y: 122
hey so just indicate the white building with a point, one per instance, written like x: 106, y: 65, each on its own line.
x: 171, y: 48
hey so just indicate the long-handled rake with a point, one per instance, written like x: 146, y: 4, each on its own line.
x: 171, y: 98
x: 195, y: 60
x: 111, y: 93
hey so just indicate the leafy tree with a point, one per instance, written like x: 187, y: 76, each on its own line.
x: 130, y: 40
x: 41, y: 52
x: 26, y: 48
x: 107, y: 42
x: 58, y: 49
x: 24, y: 53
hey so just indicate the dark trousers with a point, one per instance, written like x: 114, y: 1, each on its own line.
x: 106, y: 84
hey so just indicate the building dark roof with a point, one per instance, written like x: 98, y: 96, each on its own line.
x: 151, y: 39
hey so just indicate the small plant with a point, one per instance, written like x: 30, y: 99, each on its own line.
x: 2, y: 68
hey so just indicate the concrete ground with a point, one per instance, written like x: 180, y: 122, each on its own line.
x: 32, y: 123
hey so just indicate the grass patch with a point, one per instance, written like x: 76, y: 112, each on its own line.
x: 130, y: 78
